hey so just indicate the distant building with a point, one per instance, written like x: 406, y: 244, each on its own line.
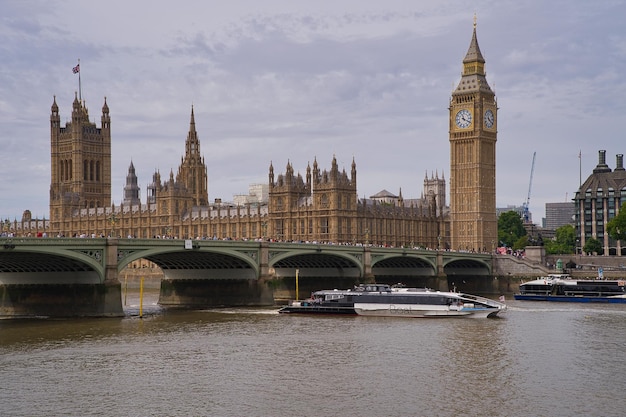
x: 518, y: 209
x: 597, y: 201
x: 559, y: 214
x: 131, y: 190
x: 257, y: 194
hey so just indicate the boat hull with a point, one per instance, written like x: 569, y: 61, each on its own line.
x: 421, y: 311
x: 571, y: 299
x: 376, y: 310
x: 312, y: 309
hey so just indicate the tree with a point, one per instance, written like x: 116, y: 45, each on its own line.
x: 510, y: 228
x: 520, y: 243
x: 616, y: 227
x: 593, y: 245
x: 564, y: 240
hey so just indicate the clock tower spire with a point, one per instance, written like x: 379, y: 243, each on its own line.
x: 473, y: 135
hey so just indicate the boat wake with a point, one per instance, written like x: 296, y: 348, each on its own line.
x: 578, y: 308
x: 239, y: 310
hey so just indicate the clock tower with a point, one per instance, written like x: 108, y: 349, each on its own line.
x: 473, y: 133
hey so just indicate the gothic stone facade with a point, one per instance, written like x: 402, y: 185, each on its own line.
x: 323, y: 208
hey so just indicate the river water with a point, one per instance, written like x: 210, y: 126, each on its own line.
x: 539, y: 359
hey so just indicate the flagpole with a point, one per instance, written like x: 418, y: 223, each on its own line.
x: 80, y: 92
x: 580, y: 169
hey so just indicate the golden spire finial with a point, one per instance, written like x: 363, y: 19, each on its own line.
x: 474, y: 20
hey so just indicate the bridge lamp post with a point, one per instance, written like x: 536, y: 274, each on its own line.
x: 367, y: 237
x: 439, y: 242
x: 112, y: 220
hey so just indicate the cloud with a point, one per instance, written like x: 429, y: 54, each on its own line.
x: 279, y: 81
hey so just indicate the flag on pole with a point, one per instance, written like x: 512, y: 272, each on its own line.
x: 76, y: 69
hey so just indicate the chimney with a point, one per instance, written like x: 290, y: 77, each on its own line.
x: 619, y: 164
x: 602, y: 166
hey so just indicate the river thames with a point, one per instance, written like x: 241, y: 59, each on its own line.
x: 538, y: 359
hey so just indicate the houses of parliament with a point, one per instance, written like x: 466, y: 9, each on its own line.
x: 323, y: 206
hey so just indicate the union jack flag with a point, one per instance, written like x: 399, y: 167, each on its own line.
x: 76, y: 69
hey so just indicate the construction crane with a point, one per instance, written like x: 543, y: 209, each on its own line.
x: 526, y: 212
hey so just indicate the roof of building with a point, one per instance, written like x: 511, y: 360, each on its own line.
x: 384, y: 194
x: 603, y: 178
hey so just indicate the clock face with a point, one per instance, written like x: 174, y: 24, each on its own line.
x: 463, y: 118
x: 489, y: 118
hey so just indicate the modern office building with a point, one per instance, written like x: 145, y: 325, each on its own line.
x: 559, y: 214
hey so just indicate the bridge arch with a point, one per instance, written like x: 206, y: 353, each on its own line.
x: 467, y: 266
x: 403, y: 265
x: 198, y: 262
x: 316, y: 263
x: 51, y: 265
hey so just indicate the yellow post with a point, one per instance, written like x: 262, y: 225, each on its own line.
x: 141, y: 298
x: 297, y: 272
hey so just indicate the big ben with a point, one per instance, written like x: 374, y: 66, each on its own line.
x: 473, y: 134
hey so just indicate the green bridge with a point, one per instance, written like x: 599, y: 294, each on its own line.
x: 80, y: 277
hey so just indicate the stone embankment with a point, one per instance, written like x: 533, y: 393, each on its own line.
x: 510, y: 266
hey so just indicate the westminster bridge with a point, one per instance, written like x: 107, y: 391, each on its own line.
x: 80, y: 277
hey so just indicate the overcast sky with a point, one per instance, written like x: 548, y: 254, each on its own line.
x: 290, y: 81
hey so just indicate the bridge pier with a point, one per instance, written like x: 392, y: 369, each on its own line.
x: 442, y: 278
x: 112, y: 292
x: 60, y: 300
x: 202, y: 293
x: 368, y: 275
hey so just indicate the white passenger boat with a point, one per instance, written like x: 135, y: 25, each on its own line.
x: 564, y: 288
x: 395, y: 301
